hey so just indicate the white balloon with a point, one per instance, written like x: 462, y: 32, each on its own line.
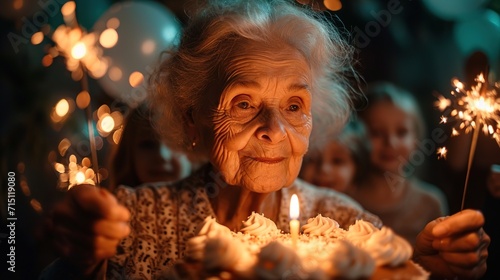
x: 453, y: 9
x: 145, y: 29
x: 480, y: 33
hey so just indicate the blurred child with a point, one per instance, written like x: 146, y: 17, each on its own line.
x: 140, y: 157
x: 390, y: 189
x: 342, y: 162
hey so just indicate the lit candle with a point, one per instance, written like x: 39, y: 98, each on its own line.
x: 294, y: 222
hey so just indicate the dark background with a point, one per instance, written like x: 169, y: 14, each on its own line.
x: 414, y: 48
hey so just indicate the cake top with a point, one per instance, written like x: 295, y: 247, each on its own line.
x: 323, y: 249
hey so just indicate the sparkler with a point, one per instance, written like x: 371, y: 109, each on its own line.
x: 83, y: 57
x: 473, y: 110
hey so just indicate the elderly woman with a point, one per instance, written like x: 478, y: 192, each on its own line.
x: 242, y: 92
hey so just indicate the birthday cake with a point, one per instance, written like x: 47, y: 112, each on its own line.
x: 322, y: 251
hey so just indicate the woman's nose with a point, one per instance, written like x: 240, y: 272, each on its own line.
x: 273, y: 128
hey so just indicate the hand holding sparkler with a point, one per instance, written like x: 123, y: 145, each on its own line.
x: 88, y: 225
x: 454, y: 246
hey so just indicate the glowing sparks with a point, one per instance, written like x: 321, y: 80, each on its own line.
x: 474, y: 108
x: 74, y: 174
x: 442, y: 151
x: 80, y: 49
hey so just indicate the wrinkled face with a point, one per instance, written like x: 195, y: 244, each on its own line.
x: 260, y: 128
x: 393, y: 135
x: 333, y: 168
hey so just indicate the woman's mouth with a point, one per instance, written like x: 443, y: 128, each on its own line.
x: 269, y: 160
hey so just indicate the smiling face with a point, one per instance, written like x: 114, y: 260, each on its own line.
x: 393, y: 134
x: 333, y: 168
x: 260, y: 129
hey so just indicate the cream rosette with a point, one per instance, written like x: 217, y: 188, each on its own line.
x: 258, y: 225
x: 360, y: 232
x: 195, y: 246
x: 349, y: 262
x: 387, y: 248
x: 277, y: 261
x: 225, y: 253
x: 320, y: 226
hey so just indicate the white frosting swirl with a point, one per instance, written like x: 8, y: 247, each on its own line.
x: 258, y: 225
x: 195, y: 246
x: 276, y: 261
x: 210, y: 227
x: 320, y: 225
x: 360, y: 232
x: 224, y: 252
x: 348, y: 261
x: 387, y: 248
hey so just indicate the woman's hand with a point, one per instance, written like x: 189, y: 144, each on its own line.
x: 88, y: 225
x: 454, y: 247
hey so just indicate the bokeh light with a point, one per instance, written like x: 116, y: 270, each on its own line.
x: 148, y: 47
x: 83, y: 99
x: 79, y: 50
x: 113, y: 23
x: 68, y: 8
x: 135, y: 79
x: 108, y: 38
x: 115, y: 74
x: 107, y: 124
x: 62, y: 108
x: 37, y: 38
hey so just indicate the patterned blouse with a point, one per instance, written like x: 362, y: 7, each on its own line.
x: 165, y: 216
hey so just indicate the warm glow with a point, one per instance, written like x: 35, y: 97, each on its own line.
x: 79, y: 50
x: 37, y: 38
x: 148, y: 47
x: 117, y: 135
x: 333, y: 5
x: 113, y: 23
x: 68, y: 8
x: 107, y: 123
x: 135, y: 79
x: 108, y: 38
x: 62, y: 107
x: 47, y: 60
x: 59, y: 167
x: 64, y: 146
x: 115, y: 74
x: 443, y: 119
x: 79, y: 177
x: 442, y: 103
x: 104, y: 109
x: 83, y: 99
x: 294, y: 207
x: 18, y: 4
x: 441, y: 152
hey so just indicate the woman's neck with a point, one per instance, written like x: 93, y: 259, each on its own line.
x: 234, y: 204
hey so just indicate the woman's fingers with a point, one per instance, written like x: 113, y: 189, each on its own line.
x: 98, y: 202
x: 468, y: 241
x: 465, y: 221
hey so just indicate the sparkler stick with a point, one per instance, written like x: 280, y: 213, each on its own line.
x: 90, y: 125
x: 474, y: 109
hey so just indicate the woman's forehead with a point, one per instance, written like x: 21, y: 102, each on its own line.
x: 255, y: 60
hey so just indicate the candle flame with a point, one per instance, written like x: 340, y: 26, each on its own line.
x: 294, y: 207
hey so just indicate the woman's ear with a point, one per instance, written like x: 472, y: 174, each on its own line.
x: 191, y: 128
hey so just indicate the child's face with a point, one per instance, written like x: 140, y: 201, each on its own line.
x: 333, y: 168
x: 393, y: 135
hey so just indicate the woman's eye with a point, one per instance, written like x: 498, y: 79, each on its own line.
x: 294, y: 107
x: 243, y: 105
